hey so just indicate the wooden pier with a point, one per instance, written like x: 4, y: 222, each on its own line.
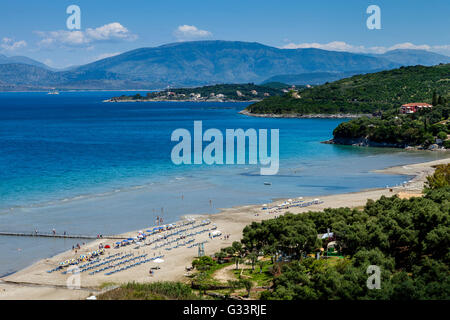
x: 56, y: 235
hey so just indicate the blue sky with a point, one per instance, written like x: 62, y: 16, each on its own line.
x: 37, y: 29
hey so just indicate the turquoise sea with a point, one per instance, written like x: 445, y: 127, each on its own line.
x: 76, y: 164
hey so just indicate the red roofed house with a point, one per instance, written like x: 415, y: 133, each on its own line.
x: 414, y: 107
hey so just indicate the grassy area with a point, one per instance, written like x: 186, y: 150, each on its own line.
x: 216, y: 267
x: 261, y: 279
x: 151, y: 291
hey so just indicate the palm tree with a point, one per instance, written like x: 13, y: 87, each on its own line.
x: 253, y: 257
x: 237, y: 259
x: 248, y: 286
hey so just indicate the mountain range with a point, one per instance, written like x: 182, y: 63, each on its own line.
x: 186, y: 64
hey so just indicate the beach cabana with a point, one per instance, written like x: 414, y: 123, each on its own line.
x: 216, y: 233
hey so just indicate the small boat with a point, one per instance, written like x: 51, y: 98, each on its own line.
x: 53, y: 92
x: 267, y: 183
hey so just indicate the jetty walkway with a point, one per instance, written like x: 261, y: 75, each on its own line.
x: 56, y: 235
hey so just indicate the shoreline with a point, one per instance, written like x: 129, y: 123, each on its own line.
x: 111, y: 100
x: 305, y: 116
x: 33, y: 282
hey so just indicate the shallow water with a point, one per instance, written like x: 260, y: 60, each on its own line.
x: 73, y: 163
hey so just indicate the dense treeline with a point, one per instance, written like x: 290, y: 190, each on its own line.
x: 418, y: 129
x: 366, y: 93
x: 408, y: 239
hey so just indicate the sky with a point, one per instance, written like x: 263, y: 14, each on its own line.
x: 38, y: 29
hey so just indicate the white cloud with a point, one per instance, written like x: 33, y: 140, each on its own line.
x: 343, y: 46
x: 186, y: 32
x: 108, y: 32
x: 9, y: 44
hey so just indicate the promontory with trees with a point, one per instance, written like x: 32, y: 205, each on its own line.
x: 213, y: 93
x: 375, y: 100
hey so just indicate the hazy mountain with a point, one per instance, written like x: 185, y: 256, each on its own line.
x: 206, y: 62
x: 409, y: 57
x: 21, y: 59
x: 196, y: 63
x: 312, y: 78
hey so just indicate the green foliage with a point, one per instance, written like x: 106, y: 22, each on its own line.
x: 442, y: 135
x: 408, y: 239
x: 366, y: 93
x: 397, y: 130
x: 440, y: 178
x: 150, y: 291
x: 203, y: 263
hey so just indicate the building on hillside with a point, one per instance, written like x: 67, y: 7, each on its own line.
x: 414, y: 107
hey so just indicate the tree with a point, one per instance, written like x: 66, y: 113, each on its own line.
x: 220, y: 256
x: 261, y: 264
x: 203, y: 263
x: 434, y: 99
x: 440, y: 178
x: 248, y: 284
x: 253, y: 257
x: 442, y: 135
x: 237, y: 259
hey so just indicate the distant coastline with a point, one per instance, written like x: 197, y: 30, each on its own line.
x: 305, y: 116
x: 173, y: 100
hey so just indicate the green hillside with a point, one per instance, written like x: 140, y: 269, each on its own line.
x: 363, y: 93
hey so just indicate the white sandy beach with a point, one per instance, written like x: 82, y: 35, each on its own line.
x: 35, y: 282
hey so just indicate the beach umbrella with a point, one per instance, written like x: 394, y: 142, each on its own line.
x: 118, y: 242
x: 107, y: 246
x: 290, y: 200
x: 158, y: 260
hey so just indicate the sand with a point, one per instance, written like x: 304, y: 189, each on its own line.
x: 34, y: 282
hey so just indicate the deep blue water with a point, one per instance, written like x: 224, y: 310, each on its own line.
x: 74, y: 163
